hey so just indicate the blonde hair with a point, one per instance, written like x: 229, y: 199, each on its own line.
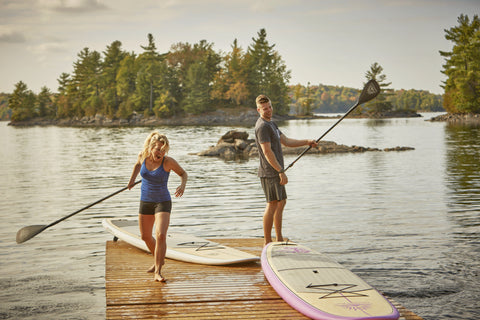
x: 261, y: 99
x: 151, y: 142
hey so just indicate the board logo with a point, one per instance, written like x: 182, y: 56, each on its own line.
x: 295, y: 250
x: 200, y: 245
x: 355, y: 306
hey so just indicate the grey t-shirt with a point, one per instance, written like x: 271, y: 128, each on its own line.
x: 267, y: 131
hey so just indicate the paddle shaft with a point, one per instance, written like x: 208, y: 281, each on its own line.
x: 29, y: 232
x: 323, y: 135
x: 90, y: 205
x: 370, y: 91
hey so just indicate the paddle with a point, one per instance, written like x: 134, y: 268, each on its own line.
x: 370, y: 91
x: 26, y: 233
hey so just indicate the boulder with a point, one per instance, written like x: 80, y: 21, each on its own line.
x: 236, y: 145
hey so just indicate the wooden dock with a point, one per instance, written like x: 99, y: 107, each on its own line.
x: 194, y: 291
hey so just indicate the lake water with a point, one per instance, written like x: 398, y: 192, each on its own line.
x: 407, y: 222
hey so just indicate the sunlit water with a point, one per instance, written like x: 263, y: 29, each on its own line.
x: 407, y: 222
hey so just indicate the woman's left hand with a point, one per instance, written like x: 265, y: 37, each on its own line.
x: 179, y: 191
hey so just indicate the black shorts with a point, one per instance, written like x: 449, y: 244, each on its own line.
x: 273, y: 189
x: 151, y: 208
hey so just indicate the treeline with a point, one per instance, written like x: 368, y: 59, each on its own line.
x: 338, y: 99
x: 188, y: 79
x: 462, y: 67
x: 5, y: 111
x: 194, y: 79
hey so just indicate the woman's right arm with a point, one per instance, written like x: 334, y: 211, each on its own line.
x: 136, y: 170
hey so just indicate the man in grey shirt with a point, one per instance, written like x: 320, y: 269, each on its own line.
x: 269, y: 140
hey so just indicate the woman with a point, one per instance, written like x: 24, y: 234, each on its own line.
x: 155, y: 202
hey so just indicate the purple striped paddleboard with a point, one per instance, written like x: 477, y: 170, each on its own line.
x: 320, y: 287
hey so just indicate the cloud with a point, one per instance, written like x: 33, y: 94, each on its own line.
x: 45, y: 50
x: 49, y: 47
x: 73, y: 6
x: 10, y: 36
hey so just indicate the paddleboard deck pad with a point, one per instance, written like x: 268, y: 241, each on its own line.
x: 319, y: 287
x: 181, y: 247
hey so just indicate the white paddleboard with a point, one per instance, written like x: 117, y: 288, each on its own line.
x: 321, y: 288
x: 181, y: 247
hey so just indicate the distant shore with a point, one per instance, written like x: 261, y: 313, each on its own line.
x: 458, y: 118
x: 219, y: 118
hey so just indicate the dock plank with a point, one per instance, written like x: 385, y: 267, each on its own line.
x: 194, y: 291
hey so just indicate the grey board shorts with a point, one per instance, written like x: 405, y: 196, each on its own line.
x: 272, y: 189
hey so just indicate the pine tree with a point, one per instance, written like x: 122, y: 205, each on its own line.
x: 125, y: 80
x: 380, y: 104
x: 231, y: 82
x: 148, y: 77
x: 45, y: 106
x: 85, y: 83
x: 197, y: 93
x: 113, y: 57
x: 22, y: 103
x: 462, y: 67
x: 267, y: 73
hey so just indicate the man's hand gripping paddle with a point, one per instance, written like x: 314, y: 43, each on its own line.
x: 370, y: 91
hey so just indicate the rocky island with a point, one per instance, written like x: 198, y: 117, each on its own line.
x: 237, y: 145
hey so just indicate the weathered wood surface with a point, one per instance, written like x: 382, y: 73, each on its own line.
x: 194, y: 291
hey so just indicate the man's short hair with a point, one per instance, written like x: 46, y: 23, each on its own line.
x: 262, y: 99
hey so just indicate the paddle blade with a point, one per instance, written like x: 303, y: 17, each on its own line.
x: 26, y: 233
x: 370, y: 91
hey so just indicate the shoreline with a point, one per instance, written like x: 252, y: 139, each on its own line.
x: 457, y: 118
x: 245, y: 118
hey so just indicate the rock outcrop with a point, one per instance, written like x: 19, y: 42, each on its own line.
x: 458, y: 118
x: 236, y: 145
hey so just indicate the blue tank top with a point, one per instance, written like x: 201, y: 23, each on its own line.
x: 154, y: 184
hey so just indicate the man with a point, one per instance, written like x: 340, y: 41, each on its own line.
x: 269, y: 140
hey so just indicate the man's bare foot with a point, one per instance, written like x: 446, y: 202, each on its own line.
x: 158, y: 277
x: 152, y: 269
x: 266, y: 241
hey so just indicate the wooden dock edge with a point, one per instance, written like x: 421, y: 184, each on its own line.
x: 194, y: 291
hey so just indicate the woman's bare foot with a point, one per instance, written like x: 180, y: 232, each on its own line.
x: 152, y: 269
x: 158, y: 277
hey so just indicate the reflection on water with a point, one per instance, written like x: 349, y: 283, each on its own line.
x: 463, y: 183
x: 406, y: 222
x: 463, y: 179
x: 463, y: 172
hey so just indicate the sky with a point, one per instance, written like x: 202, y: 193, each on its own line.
x: 330, y: 42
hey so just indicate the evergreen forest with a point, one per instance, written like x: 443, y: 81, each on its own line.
x: 195, y: 79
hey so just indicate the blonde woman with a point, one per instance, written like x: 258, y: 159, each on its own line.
x: 154, y: 166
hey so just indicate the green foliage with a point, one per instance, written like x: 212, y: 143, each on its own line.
x: 267, y: 73
x: 418, y: 100
x: 111, y: 65
x: 195, y: 79
x: 462, y: 67
x: 380, y: 104
x: 335, y: 99
x: 304, y: 100
x: 196, y: 92
x: 322, y: 98
x: 45, y: 106
x: 5, y: 111
x: 187, y: 79
x: 329, y: 99
x: 161, y: 108
x: 230, y: 83
x: 22, y: 102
